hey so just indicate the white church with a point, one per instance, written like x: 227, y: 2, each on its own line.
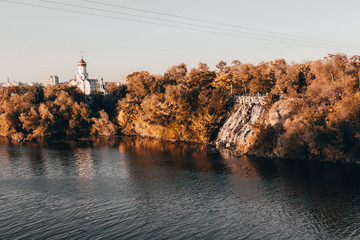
x: 83, y: 82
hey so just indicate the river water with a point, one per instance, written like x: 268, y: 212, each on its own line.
x: 149, y: 189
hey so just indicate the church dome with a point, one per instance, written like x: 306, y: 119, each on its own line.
x: 82, y: 62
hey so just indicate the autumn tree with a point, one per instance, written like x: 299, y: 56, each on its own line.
x: 201, y: 77
x: 35, y: 94
x: 117, y: 90
x: 206, y: 119
x: 140, y: 84
x: 103, y: 126
x: 175, y: 74
x: 37, y: 122
x: 221, y: 66
x: 263, y: 79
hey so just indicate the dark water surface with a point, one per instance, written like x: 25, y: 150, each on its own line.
x: 148, y: 189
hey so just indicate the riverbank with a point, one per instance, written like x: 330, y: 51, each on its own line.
x: 151, y: 143
x: 273, y: 109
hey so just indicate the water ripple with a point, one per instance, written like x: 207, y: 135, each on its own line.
x: 108, y: 193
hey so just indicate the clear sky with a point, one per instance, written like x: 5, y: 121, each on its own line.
x: 38, y: 41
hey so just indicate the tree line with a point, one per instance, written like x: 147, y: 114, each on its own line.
x: 318, y: 116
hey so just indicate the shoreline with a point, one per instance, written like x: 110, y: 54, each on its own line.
x: 96, y: 141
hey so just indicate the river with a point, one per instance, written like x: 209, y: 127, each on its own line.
x: 149, y: 189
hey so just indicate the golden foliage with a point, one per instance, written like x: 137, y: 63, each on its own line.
x: 318, y: 117
x: 103, y: 126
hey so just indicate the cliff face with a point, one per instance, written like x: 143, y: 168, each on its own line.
x: 238, y: 128
x: 284, y: 109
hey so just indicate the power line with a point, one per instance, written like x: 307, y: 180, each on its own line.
x: 217, y: 23
x: 162, y: 24
x: 197, y: 25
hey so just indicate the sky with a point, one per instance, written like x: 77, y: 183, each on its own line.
x: 118, y: 37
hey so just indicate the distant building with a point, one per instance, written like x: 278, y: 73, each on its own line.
x: 9, y: 83
x: 82, y: 81
x: 102, y: 88
x: 50, y: 80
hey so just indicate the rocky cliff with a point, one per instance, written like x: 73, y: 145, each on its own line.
x: 238, y: 128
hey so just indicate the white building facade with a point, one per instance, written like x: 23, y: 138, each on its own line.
x: 82, y: 80
x: 9, y: 83
x: 50, y: 80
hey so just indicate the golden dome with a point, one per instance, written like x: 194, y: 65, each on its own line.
x: 82, y: 62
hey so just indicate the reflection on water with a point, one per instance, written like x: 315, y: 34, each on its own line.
x: 84, y: 162
x: 150, y: 189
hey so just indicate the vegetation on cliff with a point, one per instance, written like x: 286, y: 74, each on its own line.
x: 316, y: 118
x: 179, y: 105
x: 320, y: 115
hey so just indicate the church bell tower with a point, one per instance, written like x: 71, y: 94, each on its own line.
x: 82, y: 74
